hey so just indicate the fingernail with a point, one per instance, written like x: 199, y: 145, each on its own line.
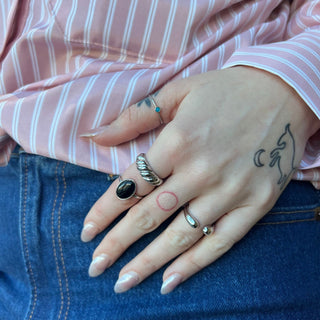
x: 126, y: 282
x: 88, y: 232
x: 93, y: 133
x: 170, y: 283
x: 99, y: 265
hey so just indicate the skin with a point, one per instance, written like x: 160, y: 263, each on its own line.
x: 231, y: 142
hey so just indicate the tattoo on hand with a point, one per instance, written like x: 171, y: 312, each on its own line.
x: 147, y: 100
x: 167, y: 200
x: 281, y: 157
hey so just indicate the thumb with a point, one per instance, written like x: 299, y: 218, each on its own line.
x: 143, y: 116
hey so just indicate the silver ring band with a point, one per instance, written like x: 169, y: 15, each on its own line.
x: 157, y: 109
x: 146, y: 170
x: 127, y: 189
x: 194, y: 223
x: 207, y: 230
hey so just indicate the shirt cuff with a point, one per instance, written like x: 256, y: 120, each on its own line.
x: 296, y: 61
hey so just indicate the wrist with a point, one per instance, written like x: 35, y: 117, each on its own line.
x: 295, y: 108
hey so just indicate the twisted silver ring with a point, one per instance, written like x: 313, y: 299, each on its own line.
x: 146, y: 170
x: 194, y: 223
x: 127, y: 189
x: 157, y: 109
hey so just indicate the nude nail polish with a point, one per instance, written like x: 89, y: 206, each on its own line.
x: 171, y: 283
x: 88, y: 232
x: 99, y: 265
x: 126, y: 282
x: 93, y: 133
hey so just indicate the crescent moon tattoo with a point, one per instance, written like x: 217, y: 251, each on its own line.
x: 256, y: 159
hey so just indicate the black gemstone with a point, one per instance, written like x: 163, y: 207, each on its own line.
x: 126, y: 189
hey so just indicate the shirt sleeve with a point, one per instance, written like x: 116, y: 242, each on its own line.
x: 296, y: 60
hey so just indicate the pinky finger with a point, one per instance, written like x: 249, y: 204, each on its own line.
x: 228, y: 230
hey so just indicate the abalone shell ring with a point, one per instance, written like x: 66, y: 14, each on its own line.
x: 146, y: 170
x: 127, y: 189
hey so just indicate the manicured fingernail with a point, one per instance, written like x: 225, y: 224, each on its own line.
x: 99, y: 264
x: 126, y: 282
x: 93, y: 133
x: 88, y: 232
x: 170, y: 283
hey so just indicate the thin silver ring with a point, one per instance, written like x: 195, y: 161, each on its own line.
x: 146, y: 170
x: 157, y: 109
x: 194, y: 223
x: 126, y: 189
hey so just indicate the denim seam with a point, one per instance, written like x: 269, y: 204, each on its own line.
x: 53, y: 240
x: 284, y: 222
x: 34, y: 289
x: 60, y: 243
x: 291, y: 212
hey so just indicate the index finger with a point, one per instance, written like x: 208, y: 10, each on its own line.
x: 141, y: 117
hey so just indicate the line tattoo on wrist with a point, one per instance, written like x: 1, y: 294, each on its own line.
x: 282, y: 156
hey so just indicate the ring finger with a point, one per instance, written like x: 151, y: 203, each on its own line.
x: 177, y: 238
x: 229, y: 229
x: 141, y: 219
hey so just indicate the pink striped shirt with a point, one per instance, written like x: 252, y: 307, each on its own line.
x: 70, y: 66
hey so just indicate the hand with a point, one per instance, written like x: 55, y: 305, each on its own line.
x: 231, y: 142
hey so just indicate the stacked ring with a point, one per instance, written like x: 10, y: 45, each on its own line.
x: 194, y: 223
x: 146, y: 171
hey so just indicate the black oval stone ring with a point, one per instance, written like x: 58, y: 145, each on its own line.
x: 127, y: 189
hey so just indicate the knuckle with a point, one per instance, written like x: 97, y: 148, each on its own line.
x: 144, y: 220
x: 199, y: 173
x: 195, y: 264
x: 113, y: 247
x: 220, y: 245
x: 129, y: 115
x: 179, y: 239
x: 267, y: 197
x: 149, y: 264
x: 98, y: 210
x: 177, y: 143
x: 235, y: 193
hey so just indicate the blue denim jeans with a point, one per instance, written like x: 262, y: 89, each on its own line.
x: 273, y: 273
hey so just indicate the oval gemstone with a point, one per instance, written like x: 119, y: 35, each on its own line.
x: 126, y: 189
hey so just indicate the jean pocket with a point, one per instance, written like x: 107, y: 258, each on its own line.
x: 294, y: 216
x: 300, y: 202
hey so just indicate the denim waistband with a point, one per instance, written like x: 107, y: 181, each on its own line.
x: 273, y: 273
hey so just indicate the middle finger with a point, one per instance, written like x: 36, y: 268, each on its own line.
x: 141, y: 219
